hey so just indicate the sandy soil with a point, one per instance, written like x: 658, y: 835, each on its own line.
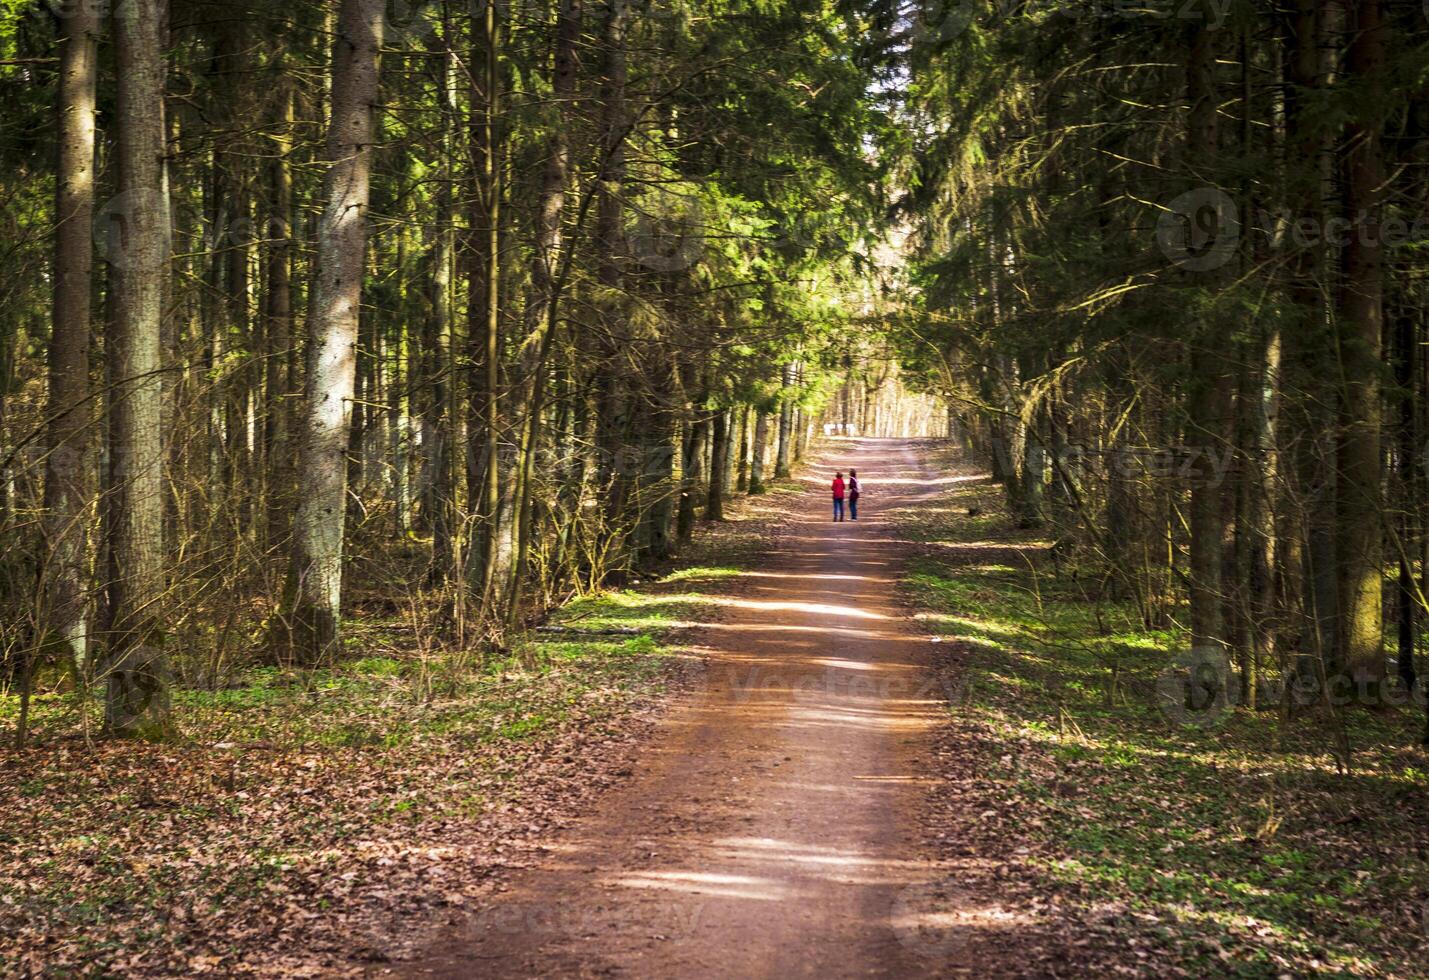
x: 771, y: 827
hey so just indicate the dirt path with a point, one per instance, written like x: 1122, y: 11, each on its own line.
x: 770, y: 828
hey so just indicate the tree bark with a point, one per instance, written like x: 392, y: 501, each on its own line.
x: 1409, y: 366
x: 692, y: 469
x: 612, y: 408
x: 486, y: 227
x: 278, y: 316
x: 69, y: 465
x: 756, y: 452
x: 719, y: 452
x: 1407, y: 452
x: 550, y: 208
x: 543, y: 303
x: 1359, y: 505
x: 442, y: 361
x: 1208, y: 406
x: 1309, y: 411
x: 741, y: 483
x: 786, y: 424
x: 655, y: 496
x: 137, y: 703
x: 332, y: 336
x: 230, y: 243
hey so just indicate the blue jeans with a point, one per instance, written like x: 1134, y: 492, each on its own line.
x: 853, y: 508
x: 838, y: 508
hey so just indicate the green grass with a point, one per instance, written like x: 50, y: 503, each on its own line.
x: 392, y: 698
x: 631, y: 610
x: 1238, y: 833
x: 702, y: 573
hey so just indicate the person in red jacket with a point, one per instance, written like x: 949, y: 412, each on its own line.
x: 838, y: 496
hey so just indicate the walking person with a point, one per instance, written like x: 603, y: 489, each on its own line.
x: 853, y: 491
x: 838, y: 496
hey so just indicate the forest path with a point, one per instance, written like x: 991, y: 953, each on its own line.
x: 770, y: 828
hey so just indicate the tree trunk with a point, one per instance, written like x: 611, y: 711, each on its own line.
x: 692, y: 467
x: 332, y: 336
x: 1406, y: 344
x: 786, y: 424
x: 611, y: 398
x: 719, y: 453
x: 1309, y: 412
x: 692, y: 475
x: 486, y: 228
x: 543, y: 303
x: 756, y: 454
x: 69, y: 465
x: 279, y: 322
x: 1359, y: 506
x: 741, y: 484
x: 228, y: 68
x: 1208, y: 406
x: 550, y: 209
x: 655, y: 490
x: 442, y: 361
x: 1409, y: 366
x: 137, y: 703
x: 1034, y: 454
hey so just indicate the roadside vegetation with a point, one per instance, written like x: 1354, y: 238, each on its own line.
x: 1208, y: 839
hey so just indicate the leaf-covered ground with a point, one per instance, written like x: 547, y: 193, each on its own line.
x: 323, y: 821
x: 1134, y: 843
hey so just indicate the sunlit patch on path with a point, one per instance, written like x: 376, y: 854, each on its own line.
x: 771, y: 828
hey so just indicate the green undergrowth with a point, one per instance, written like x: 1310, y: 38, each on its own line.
x: 395, y: 692
x: 1240, y: 840
x: 634, y: 609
